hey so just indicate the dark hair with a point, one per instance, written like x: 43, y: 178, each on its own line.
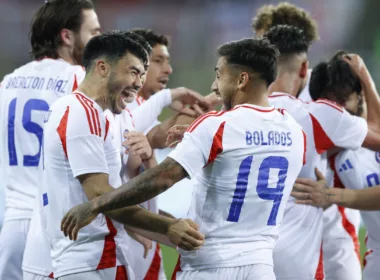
x: 139, y: 39
x: 48, y: 22
x: 334, y: 79
x: 151, y: 37
x: 255, y: 53
x: 113, y: 46
x: 285, y: 13
x: 287, y: 39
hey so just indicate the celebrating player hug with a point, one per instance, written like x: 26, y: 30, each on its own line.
x: 281, y: 157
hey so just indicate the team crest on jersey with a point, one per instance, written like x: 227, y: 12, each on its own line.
x: 47, y: 116
x: 377, y: 157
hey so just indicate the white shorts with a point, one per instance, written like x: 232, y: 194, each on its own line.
x: 32, y: 276
x: 340, y: 244
x: 248, y: 272
x: 12, y: 244
x: 297, y: 252
x: 115, y: 273
x: 371, y: 269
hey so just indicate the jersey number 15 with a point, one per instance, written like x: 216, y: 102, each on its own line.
x: 262, y: 189
x: 30, y: 126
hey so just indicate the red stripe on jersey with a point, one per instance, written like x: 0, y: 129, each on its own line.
x: 62, y: 128
x: 108, y: 258
x: 304, y: 147
x: 330, y: 103
x: 107, y: 127
x: 79, y: 97
x: 257, y: 109
x: 347, y: 225
x: 217, y: 144
x: 321, y: 140
x: 94, y: 115
x: 75, y: 84
x: 51, y: 275
x: 319, y: 274
x: 154, y: 269
x: 369, y: 252
x: 121, y: 273
x: 202, y: 118
x: 130, y: 114
x: 177, y: 269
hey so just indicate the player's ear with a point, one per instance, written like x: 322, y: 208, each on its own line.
x: 67, y: 37
x: 303, y: 69
x: 102, y: 67
x: 243, y: 80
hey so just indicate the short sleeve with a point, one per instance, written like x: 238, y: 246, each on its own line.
x: 85, y: 139
x: 348, y: 170
x: 333, y: 126
x: 201, y: 144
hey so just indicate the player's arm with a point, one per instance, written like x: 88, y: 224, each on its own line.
x: 317, y: 193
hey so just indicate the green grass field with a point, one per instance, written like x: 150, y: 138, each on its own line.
x: 170, y: 255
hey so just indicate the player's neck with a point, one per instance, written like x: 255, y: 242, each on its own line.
x: 254, y: 97
x: 66, y: 56
x: 285, y: 82
x: 95, y: 90
x: 145, y: 93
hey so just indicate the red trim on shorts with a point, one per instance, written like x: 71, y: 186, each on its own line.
x: 319, y: 274
x: 154, y: 269
x: 330, y: 103
x: 75, y: 84
x: 347, y: 225
x: 121, y: 273
x: 217, y: 144
x: 199, y: 120
x: 62, y: 128
x: 321, y: 140
x: 107, y: 128
x: 51, y: 275
x: 108, y: 258
x: 177, y: 269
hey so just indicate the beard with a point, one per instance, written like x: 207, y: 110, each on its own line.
x: 78, y: 50
x: 113, y: 95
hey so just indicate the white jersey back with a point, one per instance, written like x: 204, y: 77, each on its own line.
x: 251, y: 157
x: 25, y: 98
x: 358, y: 170
x: 76, y: 143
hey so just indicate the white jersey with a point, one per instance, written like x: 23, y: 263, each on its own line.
x: 305, y: 93
x: 146, y: 112
x: 76, y: 143
x: 326, y: 125
x: 358, y: 170
x: 149, y: 267
x: 251, y: 157
x: 25, y: 98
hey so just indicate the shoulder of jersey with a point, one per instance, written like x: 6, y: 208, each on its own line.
x: 325, y: 104
x: 209, y: 119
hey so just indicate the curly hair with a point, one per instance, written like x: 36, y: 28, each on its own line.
x: 285, y: 13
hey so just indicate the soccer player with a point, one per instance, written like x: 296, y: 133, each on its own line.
x: 288, y: 14
x: 59, y: 32
x: 326, y: 125
x: 78, y: 166
x: 240, y: 166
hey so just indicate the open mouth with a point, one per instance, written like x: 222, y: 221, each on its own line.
x: 163, y: 82
x: 128, y: 94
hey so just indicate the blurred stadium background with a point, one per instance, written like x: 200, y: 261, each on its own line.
x: 196, y: 29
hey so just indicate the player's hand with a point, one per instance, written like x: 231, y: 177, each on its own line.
x: 77, y: 218
x: 185, y: 235
x: 186, y: 96
x: 137, y: 144
x: 214, y: 100
x: 310, y: 192
x: 175, y: 135
x: 357, y: 65
x: 145, y: 242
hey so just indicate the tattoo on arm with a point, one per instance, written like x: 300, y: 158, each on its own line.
x: 142, y: 188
